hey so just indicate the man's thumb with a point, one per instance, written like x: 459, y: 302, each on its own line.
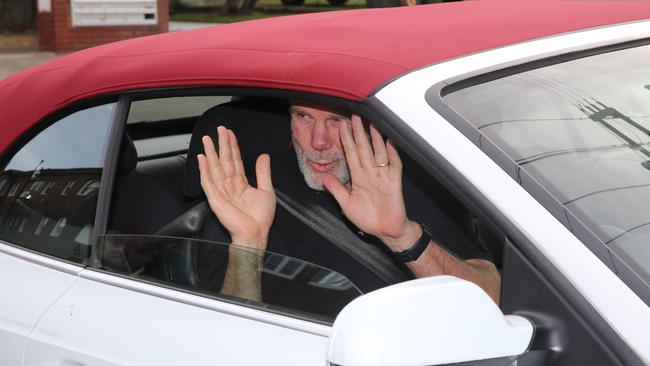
x: 337, y: 189
x: 263, y: 173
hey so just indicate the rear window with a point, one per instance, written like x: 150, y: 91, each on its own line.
x: 163, y: 126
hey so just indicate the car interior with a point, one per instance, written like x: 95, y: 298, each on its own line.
x: 157, y: 196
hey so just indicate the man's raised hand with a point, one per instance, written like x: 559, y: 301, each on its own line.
x: 374, y: 200
x: 246, y: 212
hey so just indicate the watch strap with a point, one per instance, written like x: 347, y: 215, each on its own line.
x: 416, y: 250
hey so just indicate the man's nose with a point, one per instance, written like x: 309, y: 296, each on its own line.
x: 320, y: 137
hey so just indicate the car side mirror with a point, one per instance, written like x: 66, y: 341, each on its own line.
x: 429, y: 321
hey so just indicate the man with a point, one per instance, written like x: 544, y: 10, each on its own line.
x: 363, y: 174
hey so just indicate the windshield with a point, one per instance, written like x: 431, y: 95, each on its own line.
x: 581, y: 130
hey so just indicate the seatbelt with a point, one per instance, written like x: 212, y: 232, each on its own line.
x: 339, y: 234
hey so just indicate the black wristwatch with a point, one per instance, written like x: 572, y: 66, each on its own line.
x: 416, y: 250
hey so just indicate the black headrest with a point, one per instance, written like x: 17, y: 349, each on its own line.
x: 128, y: 156
x: 260, y: 127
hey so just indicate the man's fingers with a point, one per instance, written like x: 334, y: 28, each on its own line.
x: 263, y: 173
x: 337, y: 189
x: 393, y: 157
x: 212, y: 194
x: 349, y: 147
x: 212, y: 159
x: 236, y: 155
x: 225, y: 152
x: 379, y: 146
x: 364, y: 150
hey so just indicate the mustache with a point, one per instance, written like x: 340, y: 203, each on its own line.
x: 317, y: 155
x: 321, y: 156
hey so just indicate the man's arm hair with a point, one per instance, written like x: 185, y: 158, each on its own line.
x: 244, y: 274
x: 437, y: 261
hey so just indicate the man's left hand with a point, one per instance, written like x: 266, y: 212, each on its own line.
x: 374, y: 200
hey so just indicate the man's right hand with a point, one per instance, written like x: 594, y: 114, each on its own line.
x: 246, y: 212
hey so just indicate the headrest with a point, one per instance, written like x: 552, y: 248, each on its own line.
x: 128, y: 155
x: 260, y: 127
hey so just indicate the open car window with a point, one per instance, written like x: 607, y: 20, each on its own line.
x: 161, y: 195
x: 288, y: 285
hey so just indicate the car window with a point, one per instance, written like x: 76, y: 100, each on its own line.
x: 580, y: 131
x: 161, y: 195
x: 287, y: 285
x: 48, y: 190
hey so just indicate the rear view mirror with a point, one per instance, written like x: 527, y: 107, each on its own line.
x: 430, y: 321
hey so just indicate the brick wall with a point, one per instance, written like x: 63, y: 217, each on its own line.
x: 55, y: 31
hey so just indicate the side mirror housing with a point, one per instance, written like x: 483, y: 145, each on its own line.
x: 429, y: 321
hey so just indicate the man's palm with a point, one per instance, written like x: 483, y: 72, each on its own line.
x: 373, y: 201
x: 246, y: 212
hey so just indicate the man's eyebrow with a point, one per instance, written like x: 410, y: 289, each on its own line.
x: 294, y: 109
x: 338, y: 116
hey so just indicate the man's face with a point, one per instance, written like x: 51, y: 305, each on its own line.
x: 315, y: 134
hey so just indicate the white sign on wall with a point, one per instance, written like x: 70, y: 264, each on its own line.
x: 113, y: 12
x: 44, y: 6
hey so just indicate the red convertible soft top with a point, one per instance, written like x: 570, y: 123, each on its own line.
x: 346, y: 54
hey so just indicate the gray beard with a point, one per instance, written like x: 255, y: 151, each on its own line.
x: 311, y: 177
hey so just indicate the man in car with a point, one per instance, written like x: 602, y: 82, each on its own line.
x: 362, y: 173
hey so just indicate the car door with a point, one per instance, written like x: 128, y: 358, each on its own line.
x: 107, y: 319
x: 131, y: 303
x: 29, y: 284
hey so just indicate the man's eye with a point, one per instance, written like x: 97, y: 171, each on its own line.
x: 335, y: 120
x: 302, y: 117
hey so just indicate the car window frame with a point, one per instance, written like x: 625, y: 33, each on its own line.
x: 111, y: 161
x: 362, y: 108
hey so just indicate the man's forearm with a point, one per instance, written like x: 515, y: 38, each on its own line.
x: 244, y: 274
x: 435, y: 260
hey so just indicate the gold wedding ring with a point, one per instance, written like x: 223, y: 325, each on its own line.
x: 379, y: 165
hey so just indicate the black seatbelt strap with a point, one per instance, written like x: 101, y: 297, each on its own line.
x: 334, y: 230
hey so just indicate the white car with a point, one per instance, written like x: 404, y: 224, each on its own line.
x: 533, y: 116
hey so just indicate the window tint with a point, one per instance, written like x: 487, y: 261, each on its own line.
x: 48, y: 190
x: 289, y: 286
x: 581, y: 131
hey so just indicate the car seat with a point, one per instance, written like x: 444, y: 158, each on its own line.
x: 147, y: 194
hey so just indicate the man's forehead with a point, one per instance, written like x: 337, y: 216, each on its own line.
x: 306, y: 106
